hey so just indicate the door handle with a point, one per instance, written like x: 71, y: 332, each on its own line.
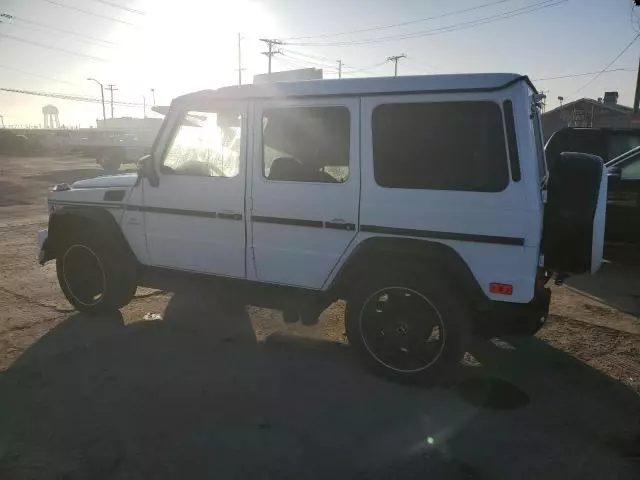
x: 229, y: 215
x: 339, y: 224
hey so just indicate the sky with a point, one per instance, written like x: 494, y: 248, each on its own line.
x: 175, y: 47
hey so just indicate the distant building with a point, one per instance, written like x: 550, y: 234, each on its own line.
x: 130, y: 123
x: 289, y: 75
x: 586, y: 112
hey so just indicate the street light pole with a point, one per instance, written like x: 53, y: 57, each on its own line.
x: 104, y: 112
x: 153, y: 95
x: 144, y: 106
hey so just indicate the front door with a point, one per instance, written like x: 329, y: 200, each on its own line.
x: 194, y: 218
x: 305, y: 187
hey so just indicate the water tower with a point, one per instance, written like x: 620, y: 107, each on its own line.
x: 50, y: 114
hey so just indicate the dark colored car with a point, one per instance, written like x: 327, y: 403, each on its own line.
x: 620, y: 150
x: 607, y: 143
x: 623, y: 199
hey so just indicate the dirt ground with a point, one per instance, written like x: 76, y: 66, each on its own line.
x: 200, y: 386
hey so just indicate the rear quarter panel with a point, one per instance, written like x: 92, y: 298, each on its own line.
x: 514, y: 213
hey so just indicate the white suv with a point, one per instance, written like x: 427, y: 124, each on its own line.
x: 424, y: 202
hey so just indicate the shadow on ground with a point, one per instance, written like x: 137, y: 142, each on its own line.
x: 617, y: 283
x: 195, y: 396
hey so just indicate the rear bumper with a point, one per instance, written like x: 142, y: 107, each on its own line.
x: 502, y: 318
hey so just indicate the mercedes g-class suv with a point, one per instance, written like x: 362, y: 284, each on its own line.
x: 423, y: 202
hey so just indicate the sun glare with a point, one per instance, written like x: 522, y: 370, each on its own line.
x: 195, y: 47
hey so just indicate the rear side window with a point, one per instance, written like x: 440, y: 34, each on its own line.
x: 537, y: 130
x: 440, y: 146
x: 306, y: 144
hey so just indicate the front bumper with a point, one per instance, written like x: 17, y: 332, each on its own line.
x: 41, y: 240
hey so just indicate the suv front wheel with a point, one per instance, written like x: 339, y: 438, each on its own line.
x: 408, y: 328
x: 95, y: 274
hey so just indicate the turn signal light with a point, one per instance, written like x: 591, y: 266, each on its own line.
x: 501, y: 288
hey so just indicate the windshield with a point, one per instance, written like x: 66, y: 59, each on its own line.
x: 206, y: 144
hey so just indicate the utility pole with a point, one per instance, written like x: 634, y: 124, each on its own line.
x: 240, y: 69
x: 339, y: 68
x: 111, y: 89
x: 144, y: 106
x: 104, y: 113
x: 395, y: 59
x: 270, y: 43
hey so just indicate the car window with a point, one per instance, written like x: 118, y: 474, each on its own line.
x: 206, y: 144
x: 539, y: 140
x: 440, y: 146
x: 306, y: 144
x: 631, y: 171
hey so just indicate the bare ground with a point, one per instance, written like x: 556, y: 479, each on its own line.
x: 199, y: 386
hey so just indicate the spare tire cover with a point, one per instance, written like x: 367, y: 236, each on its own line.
x: 572, y: 232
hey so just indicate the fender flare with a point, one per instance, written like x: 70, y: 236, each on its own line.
x: 64, y: 219
x: 439, y: 259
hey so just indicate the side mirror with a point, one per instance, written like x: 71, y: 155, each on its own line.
x: 146, y: 170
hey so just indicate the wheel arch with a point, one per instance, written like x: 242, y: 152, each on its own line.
x: 65, y: 220
x: 440, y: 260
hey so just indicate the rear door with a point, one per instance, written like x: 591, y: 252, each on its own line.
x: 305, y: 188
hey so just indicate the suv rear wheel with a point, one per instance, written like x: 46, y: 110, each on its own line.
x: 408, y: 328
x: 96, y: 275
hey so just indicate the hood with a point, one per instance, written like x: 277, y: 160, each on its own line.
x: 124, y: 180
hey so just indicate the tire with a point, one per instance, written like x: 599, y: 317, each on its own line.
x: 384, y: 340
x: 96, y: 275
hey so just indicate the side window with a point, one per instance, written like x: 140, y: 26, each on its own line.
x: 206, y: 144
x: 537, y: 131
x: 306, y: 144
x: 631, y: 171
x: 440, y: 146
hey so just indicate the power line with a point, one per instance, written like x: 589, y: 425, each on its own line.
x: 41, y: 27
x: 289, y: 54
x: 422, y: 64
x: 49, y: 47
x: 401, y: 24
x: 121, y: 7
x: 302, y: 63
x: 64, y: 96
x: 287, y: 60
x: 368, y: 68
x: 609, y: 64
x: 313, y: 57
x: 89, y: 12
x: 574, y: 75
x: 44, y: 77
x: 438, y: 31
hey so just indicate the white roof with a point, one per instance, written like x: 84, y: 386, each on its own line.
x: 362, y: 86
